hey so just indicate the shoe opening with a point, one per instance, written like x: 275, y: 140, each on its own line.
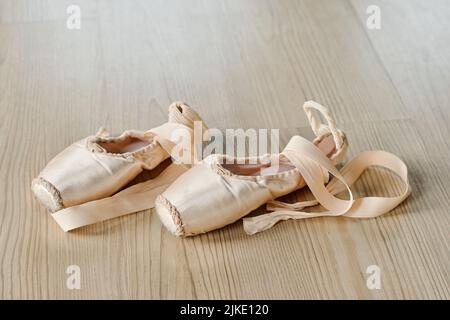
x: 127, y: 144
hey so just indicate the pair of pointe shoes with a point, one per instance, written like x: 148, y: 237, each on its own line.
x: 80, y: 186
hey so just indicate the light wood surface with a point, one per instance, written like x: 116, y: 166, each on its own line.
x: 240, y: 63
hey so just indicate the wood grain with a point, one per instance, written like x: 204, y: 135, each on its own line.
x: 242, y: 64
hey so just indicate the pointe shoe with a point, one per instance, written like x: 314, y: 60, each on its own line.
x: 219, y: 190
x: 98, y: 166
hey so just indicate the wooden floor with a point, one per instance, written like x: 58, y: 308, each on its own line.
x: 240, y: 63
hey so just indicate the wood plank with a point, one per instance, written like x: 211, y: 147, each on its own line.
x: 240, y: 64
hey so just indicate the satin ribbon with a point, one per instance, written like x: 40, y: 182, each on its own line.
x: 308, y: 159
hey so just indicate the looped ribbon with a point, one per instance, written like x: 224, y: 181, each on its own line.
x: 309, y: 161
x: 311, y: 108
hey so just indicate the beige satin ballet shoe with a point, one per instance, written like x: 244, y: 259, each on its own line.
x: 219, y: 190
x: 98, y: 166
